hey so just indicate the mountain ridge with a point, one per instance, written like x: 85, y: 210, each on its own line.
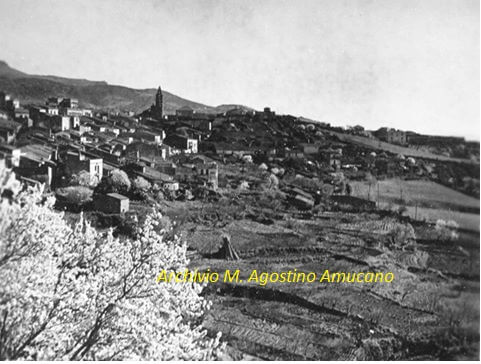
x: 35, y: 89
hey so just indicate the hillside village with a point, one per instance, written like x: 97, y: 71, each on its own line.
x: 240, y: 180
x: 257, y: 190
x: 188, y: 154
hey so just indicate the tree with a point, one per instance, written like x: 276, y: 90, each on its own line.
x: 142, y: 184
x: 402, y: 234
x: 83, y: 179
x: 140, y: 188
x: 75, y: 195
x: 307, y: 183
x: 73, y: 293
x: 273, y: 181
x: 118, y: 181
x: 271, y: 199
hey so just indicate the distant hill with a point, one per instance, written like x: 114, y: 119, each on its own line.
x: 92, y: 94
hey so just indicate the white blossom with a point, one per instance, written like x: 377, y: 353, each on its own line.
x: 73, y: 293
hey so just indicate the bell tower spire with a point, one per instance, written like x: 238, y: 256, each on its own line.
x: 159, y: 104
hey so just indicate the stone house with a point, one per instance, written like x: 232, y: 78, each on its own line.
x: 391, y: 135
x: 181, y: 144
x: 9, y: 130
x: 112, y: 203
x: 209, y: 172
x: 76, y: 162
x: 37, y: 162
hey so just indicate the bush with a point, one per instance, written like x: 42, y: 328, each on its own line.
x: 159, y: 196
x: 140, y: 188
x: 83, y: 179
x: 402, y: 234
x: 118, y: 181
x: 74, y: 197
x: 306, y: 183
x: 141, y: 184
x: 271, y: 199
x: 446, y: 230
x: 272, y: 182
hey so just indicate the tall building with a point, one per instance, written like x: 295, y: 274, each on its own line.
x: 158, y: 107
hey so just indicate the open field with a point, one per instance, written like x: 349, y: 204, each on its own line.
x: 423, y: 200
x: 421, y: 193
x: 465, y: 220
x: 396, y: 149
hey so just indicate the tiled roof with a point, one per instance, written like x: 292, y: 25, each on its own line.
x: 117, y: 196
x: 37, y: 152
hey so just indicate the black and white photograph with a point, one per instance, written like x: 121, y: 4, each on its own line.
x: 239, y: 180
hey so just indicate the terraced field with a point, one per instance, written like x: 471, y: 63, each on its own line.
x: 429, y: 311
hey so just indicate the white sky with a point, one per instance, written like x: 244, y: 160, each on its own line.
x: 410, y: 64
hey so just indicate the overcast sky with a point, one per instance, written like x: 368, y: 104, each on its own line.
x: 410, y: 64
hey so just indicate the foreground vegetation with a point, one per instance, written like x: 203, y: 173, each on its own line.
x: 72, y: 293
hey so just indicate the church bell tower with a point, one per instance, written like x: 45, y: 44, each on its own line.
x: 159, y: 103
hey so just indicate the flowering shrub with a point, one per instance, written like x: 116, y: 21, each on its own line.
x: 118, y: 181
x: 83, y: 178
x: 446, y: 230
x: 72, y: 293
x: 142, y: 184
x: 140, y: 188
x: 75, y: 195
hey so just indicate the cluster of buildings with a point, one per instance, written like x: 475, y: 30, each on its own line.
x: 405, y: 138
x: 401, y: 137
x: 60, y: 140
x: 391, y: 135
x: 54, y: 142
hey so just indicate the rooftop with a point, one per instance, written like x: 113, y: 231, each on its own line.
x: 37, y: 152
x: 117, y: 196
